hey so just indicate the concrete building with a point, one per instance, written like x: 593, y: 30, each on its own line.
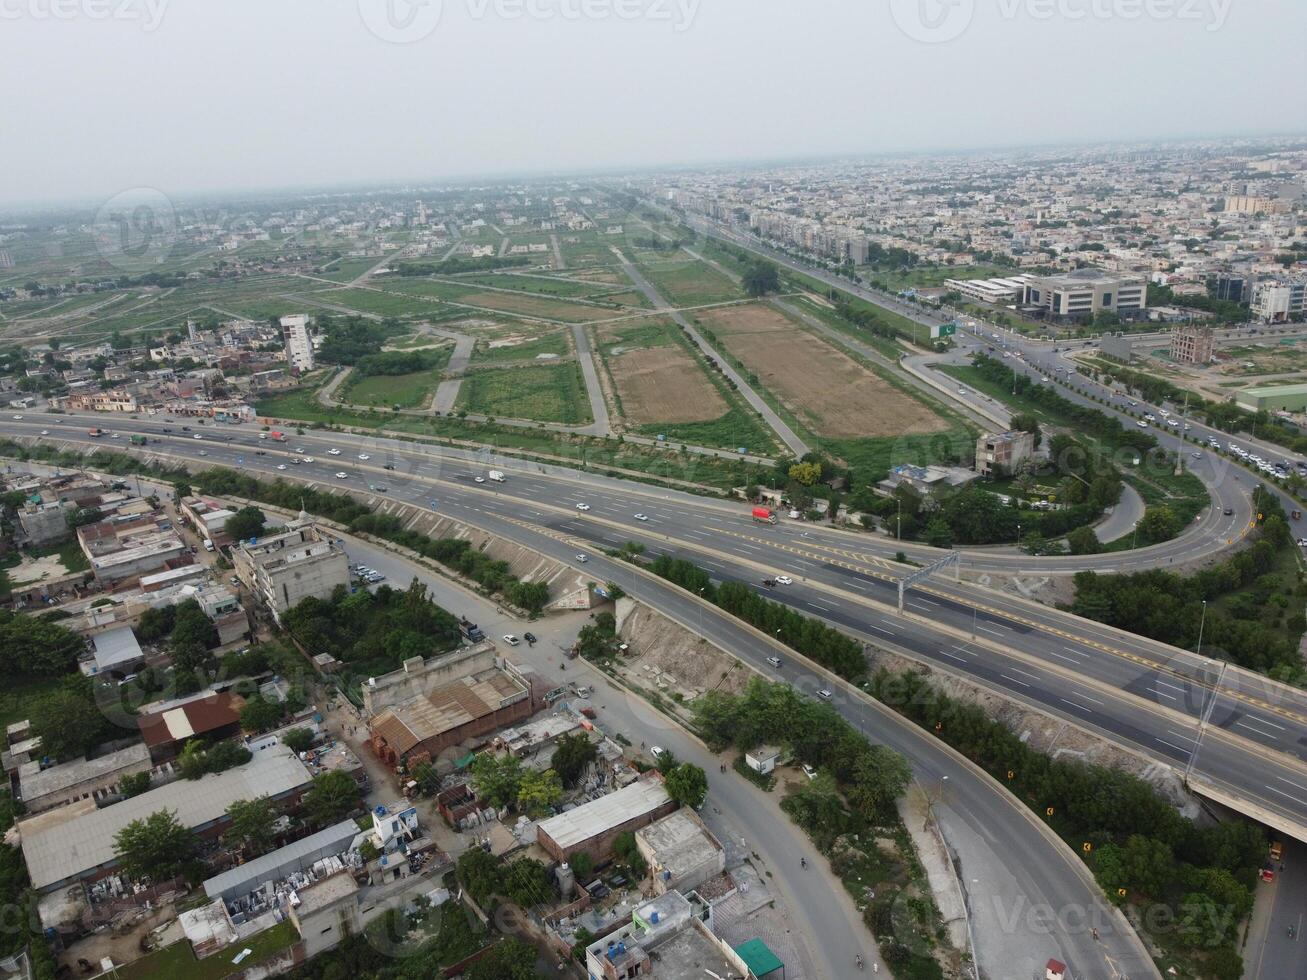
x: 1279, y: 300
x: 138, y: 550
x: 592, y: 827
x: 76, y: 843
x: 924, y: 479
x: 1001, y: 453
x: 209, y: 518
x: 283, y: 862
x: 95, y: 779
x: 326, y: 912
x: 762, y: 759
x: 668, y: 938
x: 42, y: 523
x: 299, y: 342
x: 115, y: 650
x: 282, y: 569
x: 1273, y: 398
x: 681, y: 852
x: 1193, y: 344
x: 1084, y: 292
x: 1003, y: 290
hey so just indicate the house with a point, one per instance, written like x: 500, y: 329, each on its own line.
x: 1055, y: 970
x: 762, y: 759
x: 682, y: 854
x: 593, y: 827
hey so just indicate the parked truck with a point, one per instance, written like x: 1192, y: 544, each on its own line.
x: 763, y: 516
x: 497, y: 476
x: 469, y: 630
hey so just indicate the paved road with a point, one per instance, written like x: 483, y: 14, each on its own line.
x: 1271, y: 954
x: 787, y: 436
x: 1013, y: 872
x: 1145, y: 695
x: 598, y: 407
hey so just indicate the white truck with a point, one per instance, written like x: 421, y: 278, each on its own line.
x: 496, y: 476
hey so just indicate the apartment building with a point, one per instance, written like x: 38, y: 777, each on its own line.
x: 1279, y: 300
x: 1000, y: 454
x: 302, y: 561
x: 1084, y: 292
x: 299, y: 344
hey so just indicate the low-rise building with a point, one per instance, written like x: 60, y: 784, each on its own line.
x: 115, y: 650
x: 301, y: 561
x: 209, y: 518
x: 56, y: 786
x: 593, y: 827
x: 682, y: 854
x: 326, y: 912
x: 1000, y: 453
x: 40, y: 524
x: 167, y: 729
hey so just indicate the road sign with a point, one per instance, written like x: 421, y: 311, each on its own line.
x: 943, y: 330
x: 952, y: 559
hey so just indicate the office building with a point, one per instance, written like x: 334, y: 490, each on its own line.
x: 1084, y: 292
x: 1279, y: 300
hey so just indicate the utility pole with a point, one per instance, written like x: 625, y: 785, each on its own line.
x: 1201, y: 623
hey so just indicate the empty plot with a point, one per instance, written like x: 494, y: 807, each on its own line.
x: 832, y: 393
x: 685, y: 281
x: 664, y: 384
x: 547, y: 393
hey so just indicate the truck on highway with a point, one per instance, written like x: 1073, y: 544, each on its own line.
x: 95, y: 433
x: 497, y: 476
x: 278, y: 436
x: 763, y: 516
x: 139, y: 440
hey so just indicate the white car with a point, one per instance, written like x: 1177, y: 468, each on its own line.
x: 1142, y: 424
x: 641, y: 517
x: 18, y: 418
x: 784, y: 580
x: 300, y: 450
x: 1196, y: 455
x: 511, y: 640
x: 204, y: 452
x: 582, y: 559
x: 333, y: 452
x: 774, y: 661
x: 655, y: 750
x: 479, y: 479
x: 342, y: 475
x: 308, y: 459
x: 364, y: 456
x: 582, y: 506
x: 198, y: 436
x: 825, y: 693
x: 808, y: 771
x: 281, y: 466
x: 45, y: 432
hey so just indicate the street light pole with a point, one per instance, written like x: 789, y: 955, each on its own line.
x: 1201, y: 623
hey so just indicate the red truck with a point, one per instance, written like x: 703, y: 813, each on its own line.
x: 763, y: 516
x: 278, y: 436
x: 95, y: 433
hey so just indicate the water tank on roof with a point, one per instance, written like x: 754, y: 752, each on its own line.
x: 379, y: 811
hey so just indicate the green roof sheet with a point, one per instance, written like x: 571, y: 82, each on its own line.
x: 758, y: 957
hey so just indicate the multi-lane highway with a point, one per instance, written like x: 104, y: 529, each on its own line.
x: 1030, y: 897
x: 1242, y: 733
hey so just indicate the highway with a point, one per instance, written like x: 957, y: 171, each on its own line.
x: 1146, y: 696
x: 1015, y: 874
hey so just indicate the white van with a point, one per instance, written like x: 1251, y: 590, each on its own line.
x: 208, y: 545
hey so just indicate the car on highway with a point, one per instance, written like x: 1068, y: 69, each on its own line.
x: 45, y: 432
x: 1142, y: 424
x: 342, y: 475
x: 204, y: 452
x: 784, y: 580
x: 281, y: 466
x: 333, y: 452
x: 1228, y: 511
x: 364, y: 456
x: 769, y: 583
x: 300, y: 450
x: 18, y: 418
x: 511, y: 640
x: 641, y: 517
x: 582, y: 559
x: 1196, y: 455
x: 478, y: 479
x: 308, y: 459
x: 197, y: 436
x: 582, y: 506
x: 655, y: 750
x: 389, y: 466
x: 529, y: 637
x: 774, y: 661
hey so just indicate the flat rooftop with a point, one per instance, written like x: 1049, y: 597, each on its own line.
x: 72, y: 841
x: 116, y: 647
x: 679, y: 842
x: 593, y: 818
x: 691, y: 954
x: 59, y: 778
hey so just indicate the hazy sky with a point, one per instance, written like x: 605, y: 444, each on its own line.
x: 100, y: 96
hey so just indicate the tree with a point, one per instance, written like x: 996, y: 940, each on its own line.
x: 259, y: 714
x: 624, y: 847
x: 572, y: 754
x: 761, y: 278
x: 496, y: 778
x: 806, y: 474
x: 1158, y: 524
x: 248, y: 522
x: 298, y: 739
x: 157, y: 847
x: 193, y: 634
x: 251, y: 828
x: 134, y: 784
x: 67, y: 719
x: 1028, y: 422
x: 29, y: 645
x: 879, y: 778
x: 1084, y: 541
x: 687, y: 784
x: 511, y: 959
x: 539, y: 792
x: 156, y: 623
x: 478, y: 872
x: 526, y: 881
x: 939, y: 534
x: 333, y: 796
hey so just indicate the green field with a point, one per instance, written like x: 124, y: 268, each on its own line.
x: 686, y: 281
x: 546, y: 393
x: 385, y: 390
x: 178, y: 960
x: 380, y: 302
x: 554, y: 342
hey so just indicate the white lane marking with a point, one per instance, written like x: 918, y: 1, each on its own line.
x: 991, y: 632
x: 1291, y: 783
x: 1255, y: 731
x: 1025, y: 673
x: 1288, y: 796
x: 1070, y: 660
x: 817, y: 605
x: 1179, y: 748
x: 1263, y: 721
x: 1162, y: 683
x: 961, y: 660
x: 1013, y: 680
x: 1074, y: 705
x: 880, y: 629
x: 1085, y: 697
x: 1187, y: 738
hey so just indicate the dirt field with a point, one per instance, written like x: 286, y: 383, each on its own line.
x: 664, y: 384
x: 833, y: 394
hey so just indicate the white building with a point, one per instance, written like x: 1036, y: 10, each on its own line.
x: 1087, y: 291
x: 1279, y: 300
x: 299, y: 344
x: 282, y: 569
